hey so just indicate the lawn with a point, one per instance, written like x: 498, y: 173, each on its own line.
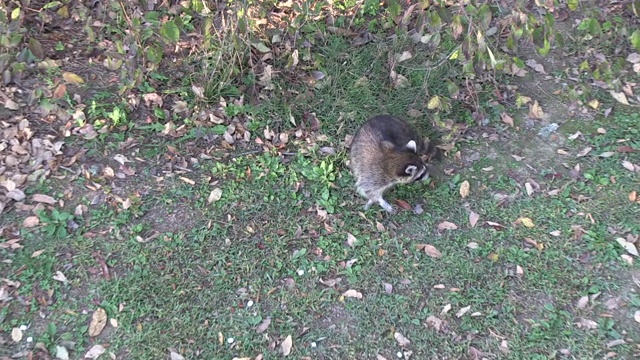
x: 194, y: 201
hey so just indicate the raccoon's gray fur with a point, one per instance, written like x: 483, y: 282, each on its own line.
x: 386, y: 151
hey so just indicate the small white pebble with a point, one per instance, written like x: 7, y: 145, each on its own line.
x: 313, y: 344
x: 250, y: 303
x: 399, y: 354
x: 230, y: 340
x: 300, y: 272
x: 23, y: 327
x: 29, y: 339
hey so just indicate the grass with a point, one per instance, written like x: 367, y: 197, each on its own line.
x: 200, y: 278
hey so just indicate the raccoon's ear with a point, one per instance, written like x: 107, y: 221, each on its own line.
x: 410, y: 170
x: 412, y: 145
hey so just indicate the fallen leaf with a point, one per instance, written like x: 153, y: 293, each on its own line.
x: 31, y: 221
x: 429, y: 250
x: 617, y: 342
x: 519, y: 270
x: 95, y: 352
x: 582, y: 302
x: 403, y: 204
x: 263, y: 325
x: 628, y: 165
x: 584, y: 151
x: 636, y: 316
x: 625, y: 149
x: 352, y: 293
x: 62, y: 353
x: 594, y: 104
x: 175, y: 356
x: 575, y: 135
x: 72, y: 78
x: 98, y: 322
x: 351, y: 240
x: 527, y: 222
x: 493, y: 257
x: 507, y: 119
x: 401, y: 339
x: 528, y: 188
x: 535, y: 110
x: 388, y: 288
x: 406, y: 55
x: 633, y: 196
x: 380, y: 227
x: 215, y: 195
x: 620, y: 97
x: 628, y: 259
x: 464, y: 189
x: 40, y: 198
x: 446, y: 225
x: 628, y: 246
x: 16, y: 334
x: 445, y: 309
x: 59, y: 276
x: 473, y: 218
x: 463, y: 311
x: 472, y: 245
x: 587, y: 324
x: 518, y: 158
x: 555, y: 233
x: 535, y: 66
x: 607, y: 154
x: 286, y: 345
x: 37, y: 253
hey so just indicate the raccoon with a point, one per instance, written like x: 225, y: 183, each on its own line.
x: 386, y: 151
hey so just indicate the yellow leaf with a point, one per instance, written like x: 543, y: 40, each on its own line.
x: 526, y: 222
x: 464, y: 189
x: 434, y: 103
x: 72, y: 78
x: 98, y: 321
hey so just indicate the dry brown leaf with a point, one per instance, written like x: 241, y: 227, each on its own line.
x: 215, y: 195
x: 582, y: 302
x: 16, y: 334
x: 351, y: 240
x: 628, y: 165
x: 388, y: 288
x: 95, y: 352
x: 263, y: 325
x: 37, y: 253
x: 473, y: 218
x: 463, y: 311
x: 43, y: 199
x: 555, y: 233
x: 464, y: 189
x: 535, y: 110
x: 473, y: 245
x: 507, y: 119
x: 286, y: 346
x: 620, y: 97
x: 59, y: 276
x: 429, y: 250
x: 628, y: 246
x: 584, y: 151
x: 401, y: 339
x: 445, y: 309
x: 98, y: 322
x: 633, y: 196
x: 446, y: 225
x: 30, y: 222
x: 380, y: 227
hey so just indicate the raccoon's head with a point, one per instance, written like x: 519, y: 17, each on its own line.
x: 406, y: 164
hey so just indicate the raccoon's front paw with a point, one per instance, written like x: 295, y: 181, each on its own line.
x: 385, y: 205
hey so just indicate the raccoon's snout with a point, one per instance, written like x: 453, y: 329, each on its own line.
x: 423, y: 175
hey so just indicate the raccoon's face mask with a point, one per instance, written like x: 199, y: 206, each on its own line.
x: 416, y: 173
